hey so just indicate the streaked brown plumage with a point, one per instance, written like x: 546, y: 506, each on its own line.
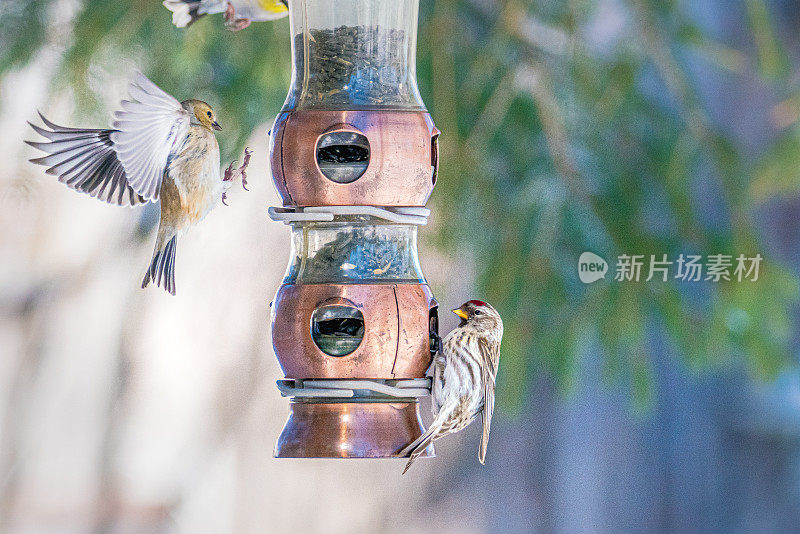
x: 464, y: 377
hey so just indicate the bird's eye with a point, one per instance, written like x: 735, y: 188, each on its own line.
x: 478, y: 312
x: 209, y: 114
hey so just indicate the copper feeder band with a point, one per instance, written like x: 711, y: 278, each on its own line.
x: 403, y: 157
x: 396, y: 342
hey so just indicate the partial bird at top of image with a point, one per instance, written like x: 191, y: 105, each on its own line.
x: 238, y: 14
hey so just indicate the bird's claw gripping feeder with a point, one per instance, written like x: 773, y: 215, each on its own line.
x: 354, y: 159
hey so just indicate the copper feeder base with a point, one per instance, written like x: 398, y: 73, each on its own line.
x: 349, y: 430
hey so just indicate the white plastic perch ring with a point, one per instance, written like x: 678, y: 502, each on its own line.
x: 406, y: 388
x: 405, y: 215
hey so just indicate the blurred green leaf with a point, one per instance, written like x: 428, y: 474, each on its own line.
x: 778, y: 173
x: 772, y: 59
x: 22, y: 31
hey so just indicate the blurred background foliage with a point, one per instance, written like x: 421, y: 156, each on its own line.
x: 556, y: 139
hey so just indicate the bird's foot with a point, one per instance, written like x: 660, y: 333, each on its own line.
x: 245, y: 162
x: 233, y: 23
x: 231, y: 174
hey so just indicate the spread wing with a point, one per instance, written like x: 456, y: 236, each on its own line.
x: 150, y: 127
x: 85, y: 160
x: 123, y: 166
x: 490, y: 351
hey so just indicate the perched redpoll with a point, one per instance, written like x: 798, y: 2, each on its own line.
x: 463, y: 377
x: 238, y: 13
x: 160, y: 150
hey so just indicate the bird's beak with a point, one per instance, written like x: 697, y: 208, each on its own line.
x: 216, y: 126
x: 461, y: 313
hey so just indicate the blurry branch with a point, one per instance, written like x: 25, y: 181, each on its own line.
x: 535, y: 78
x: 715, y: 52
x: 531, y: 30
x: 677, y: 179
x: 443, y: 73
x: 785, y: 113
x: 22, y: 30
x: 771, y: 59
x: 493, y: 113
x: 531, y: 76
x: 778, y: 174
x: 696, y: 120
x: 671, y: 73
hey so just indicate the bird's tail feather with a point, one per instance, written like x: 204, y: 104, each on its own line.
x: 419, y: 445
x: 486, y: 413
x: 162, y: 266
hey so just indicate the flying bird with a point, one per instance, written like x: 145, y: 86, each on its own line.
x: 463, y: 377
x: 160, y: 150
x: 238, y: 13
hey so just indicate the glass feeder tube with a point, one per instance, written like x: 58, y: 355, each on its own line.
x: 354, y: 54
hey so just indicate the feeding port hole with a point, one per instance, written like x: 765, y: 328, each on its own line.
x: 337, y: 329
x: 343, y: 157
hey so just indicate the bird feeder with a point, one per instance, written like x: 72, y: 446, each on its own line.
x: 354, y: 159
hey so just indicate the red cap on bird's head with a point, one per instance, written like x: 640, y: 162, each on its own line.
x: 462, y: 311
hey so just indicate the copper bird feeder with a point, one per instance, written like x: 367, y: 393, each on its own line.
x: 354, y: 158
